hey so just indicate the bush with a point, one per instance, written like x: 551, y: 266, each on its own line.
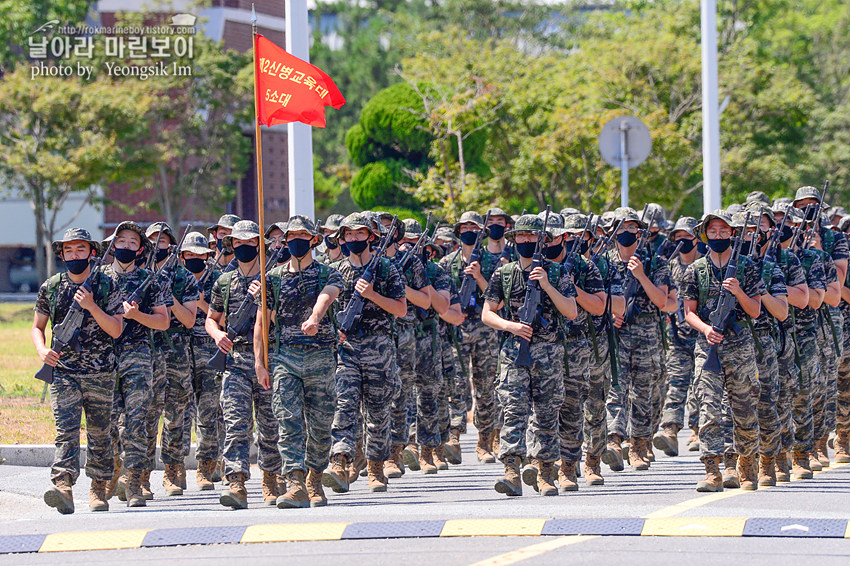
x: 392, y: 119
x: 380, y: 183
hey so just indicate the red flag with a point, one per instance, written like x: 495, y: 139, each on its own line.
x: 289, y: 89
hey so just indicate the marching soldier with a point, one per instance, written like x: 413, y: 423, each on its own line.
x: 219, y: 230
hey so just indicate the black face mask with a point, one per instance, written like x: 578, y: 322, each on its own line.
x: 787, y: 232
x: 526, y: 249
x: 77, y: 266
x: 496, y: 232
x: 124, y: 255
x: 626, y: 239
x: 687, y: 245
x: 583, y: 247
x: 283, y: 255
x: 746, y: 247
x: 161, y: 254
x: 426, y: 256
x: 810, y: 214
x: 344, y: 249
x: 330, y: 244
x: 245, y: 253
x: 702, y: 248
x: 195, y: 264
x: 720, y: 245
x: 551, y: 252
x: 469, y: 238
x: 219, y: 245
x: 358, y: 247
x: 299, y: 247
x: 653, y: 235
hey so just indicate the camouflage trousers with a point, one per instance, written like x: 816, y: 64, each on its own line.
x: 406, y: 367
x: 598, y: 388
x: 157, y: 402
x: 789, y: 383
x: 630, y: 408
x: 802, y: 411
x: 842, y: 417
x: 206, y: 386
x: 480, y: 349
x: 456, y: 387
x: 303, y: 400
x: 680, y: 375
x: 365, y: 377
x: 429, y: 384
x: 70, y: 395
x: 130, y: 404
x: 823, y: 384
x: 832, y: 379
x: 178, y: 390
x: 242, y: 395
x: 531, y: 399
x: 659, y: 382
x: 770, y: 427
x: 738, y: 379
x: 576, y: 377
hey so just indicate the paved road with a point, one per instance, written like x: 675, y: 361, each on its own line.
x: 464, y: 492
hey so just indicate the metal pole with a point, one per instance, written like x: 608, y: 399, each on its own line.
x: 710, y: 109
x: 624, y: 164
x: 258, y: 142
x: 299, y: 136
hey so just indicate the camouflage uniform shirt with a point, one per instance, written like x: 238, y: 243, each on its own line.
x: 387, y: 282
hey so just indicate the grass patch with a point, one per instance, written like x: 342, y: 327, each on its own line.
x: 18, y: 359
x: 24, y: 420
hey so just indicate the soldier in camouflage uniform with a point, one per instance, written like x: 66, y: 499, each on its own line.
x: 479, y: 344
x: 842, y: 421
x: 682, y: 341
x: 365, y: 371
x: 302, y: 363
x: 224, y: 259
x: 240, y: 390
x: 499, y: 222
x: 206, y: 382
x: 533, y: 393
x: 701, y: 290
x: 82, y: 381
x: 639, y: 342
x: 172, y: 385
x: 329, y: 251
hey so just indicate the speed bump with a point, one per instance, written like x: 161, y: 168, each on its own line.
x: 294, y: 532
x: 694, y: 527
x: 819, y: 528
x: 95, y: 540
x: 20, y: 543
x: 493, y: 527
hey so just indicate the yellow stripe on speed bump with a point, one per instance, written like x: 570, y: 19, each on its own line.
x: 294, y: 532
x: 492, y: 527
x: 694, y: 527
x: 97, y: 540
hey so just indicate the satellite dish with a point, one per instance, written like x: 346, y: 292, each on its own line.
x: 629, y: 133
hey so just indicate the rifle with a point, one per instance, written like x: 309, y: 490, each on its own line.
x: 529, y: 312
x: 67, y: 332
x: 773, y: 244
x: 414, y: 250
x: 507, y: 251
x: 815, y: 217
x: 569, y: 259
x: 467, y: 282
x: 632, y: 285
x: 347, y: 317
x: 202, y: 280
x: 607, y: 243
x: 719, y: 318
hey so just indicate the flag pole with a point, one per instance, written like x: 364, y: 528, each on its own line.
x: 260, y: 200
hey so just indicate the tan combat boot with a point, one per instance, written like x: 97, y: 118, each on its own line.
x: 281, y: 483
x: 814, y: 462
x: 637, y: 455
x: 314, y: 489
x: 747, y: 473
x: 97, y: 495
x: 121, y: 486
x: 203, y: 477
x: 482, y: 448
x: 730, y: 471
x: 377, y: 480
x: 510, y: 484
x: 495, y: 442
x: 822, y: 451
x: 452, y: 446
x: 410, y: 455
x: 693, y: 440
x: 336, y: 476
x: 546, y: 478
x: 134, y: 490
x: 648, y: 452
x: 394, y: 468
x: 783, y: 470
x: 269, y: 485
x: 613, y: 455
x: 767, y: 471
x: 181, y: 475
x: 439, y: 458
x: 296, y: 497
x: 235, y: 496
x: 567, y: 477
x: 800, y: 466
x: 426, y: 460
x: 713, y: 479
x: 171, y: 480
x: 592, y: 470
x: 116, y: 473
x: 218, y: 472
x: 842, y: 447
x: 667, y: 440
x: 147, y: 492
x: 357, y: 465
x: 60, y: 496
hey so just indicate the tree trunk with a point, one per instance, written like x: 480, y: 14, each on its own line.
x: 41, y: 250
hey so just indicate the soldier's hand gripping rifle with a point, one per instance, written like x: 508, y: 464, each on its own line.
x: 606, y: 244
x: 508, y: 249
x: 415, y: 248
x: 67, y: 332
x: 633, y: 285
x: 721, y: 317
x: 347, y: 317
x: 467, y: 282
x: 529, y: 312
x: 572, y: 255
x: 774, y: 245
x: 202, y: 280
x: 815, y: 226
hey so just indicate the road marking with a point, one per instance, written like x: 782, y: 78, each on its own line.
x: 795, y: 527
x: 533, y: 551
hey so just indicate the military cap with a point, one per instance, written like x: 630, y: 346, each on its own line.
x: 300, y: 222
x: 627, y: 214
x: 844, y: 223
x: 355, y: 221
x: 496, y: 211
x: 759, y: 209
x: 734, y: 208
x: 575, y: 223
x: 556, y: 223
x: 470, y: 216
x: 332, y: 222
x: 833, y: 211
x: 412, y: 228
x: 527, y: 223
x: 782, y: 200
x: 660, y: 217
x: 242, y: 230
x: 161, y: 227
x: 226, y: 221
x: 739, y: 217
x: 607, y: 219
x: 569, y: 211
x: 758, y: 197
x: 277, y: 225
x: 445, y: 233
x: 825, y: 221
x: 133, y: 227
x: 806, y: 192
x: 718, y: 214
x: 73, y: 235
x: 686, y: 224
x: 196, y: 243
